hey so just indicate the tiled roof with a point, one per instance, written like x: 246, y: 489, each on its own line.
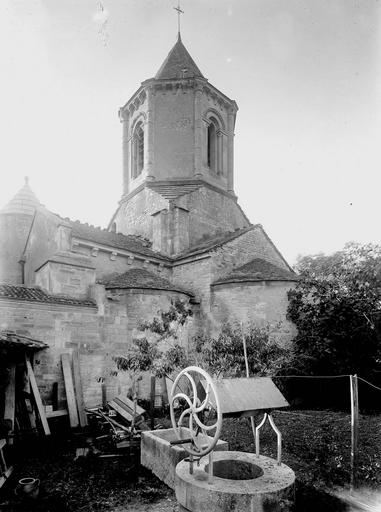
x: 10, y: 339
x: 178, y: 64
x: 117, y: 240
x: 141, y: 279
x: 216, y: 241
x: 24, y: 201
x: 35, y: 294
x: 258, y: 270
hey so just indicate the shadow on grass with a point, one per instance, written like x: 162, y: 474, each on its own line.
x: 310, y: 499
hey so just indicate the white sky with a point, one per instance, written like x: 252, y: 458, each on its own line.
x: 305, y: 75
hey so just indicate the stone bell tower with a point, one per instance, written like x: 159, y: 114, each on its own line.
x: 178, y: 159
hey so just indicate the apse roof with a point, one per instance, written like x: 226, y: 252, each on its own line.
x: 258, y: 270
x: 24, y: 202
x: 178, y: 64
x: 139, y: 278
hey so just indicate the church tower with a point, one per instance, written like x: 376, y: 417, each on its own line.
x: 178, y: 159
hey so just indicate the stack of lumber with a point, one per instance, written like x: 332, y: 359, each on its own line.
x: 73, y: 388
x: 23, y: 412
x: 131, y: 412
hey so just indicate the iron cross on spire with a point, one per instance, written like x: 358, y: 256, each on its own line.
x: 179, y: 13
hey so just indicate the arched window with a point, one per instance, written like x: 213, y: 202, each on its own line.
x: 138, y: 150
x: 213, y: 144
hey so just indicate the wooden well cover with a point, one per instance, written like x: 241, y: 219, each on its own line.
x: 243, y: 396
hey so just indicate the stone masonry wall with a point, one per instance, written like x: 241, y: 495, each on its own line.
x: 262, y: 303
x: 106, y: 263
x: 98, y: 334
x: 64, y: 279
x: 174, y: 134
x: 211, y: 212
x: 134, y: 217
x: 198, y: 276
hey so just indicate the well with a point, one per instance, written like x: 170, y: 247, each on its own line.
x: 160, y: 457
x: 242, y: 482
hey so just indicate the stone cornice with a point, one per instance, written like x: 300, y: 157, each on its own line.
x: 173, y: 84
x: 123, y: 252
x: 152, y: 184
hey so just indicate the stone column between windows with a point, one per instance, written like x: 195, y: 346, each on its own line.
x: 126, y: 151
x: 220, y: 157
x: 230, y: 151
x: 150, y: 134
x: 197, y: 132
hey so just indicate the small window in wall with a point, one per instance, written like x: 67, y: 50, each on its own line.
x: 113, y: 227
x: 138, y: 150
x: 213, y: 146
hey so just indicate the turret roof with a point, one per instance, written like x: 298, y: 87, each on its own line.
x: 178, y: 64
x: 24, y: 201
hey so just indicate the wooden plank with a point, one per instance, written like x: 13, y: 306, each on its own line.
x: 78, y: 390
x: 152, y: 402
x: 169, y: 386
x: 126, y: 408
x: 130, y: 405
x: 29, y: 410
x: 104, y: 394
x: 55, y: 396
x: 252, y: 420
x: 126, y: 415
x: 354, y: 429
x: 56, y: 414
x: 69, y: 388
x: 164, y: 390
x: 4, y: 477
x: 10, y: 401
x: 245, y: 395
x: 37, y: 397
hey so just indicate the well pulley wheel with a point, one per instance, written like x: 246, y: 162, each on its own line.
x: 201, y: 402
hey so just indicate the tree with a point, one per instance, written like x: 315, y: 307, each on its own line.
x: 224, y: 354
x: 162, y: 355
x: 336, y: 307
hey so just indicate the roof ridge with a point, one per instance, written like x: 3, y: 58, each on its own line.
x: 212, y: 242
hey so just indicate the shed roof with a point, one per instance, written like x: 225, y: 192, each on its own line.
x: 10, y: 339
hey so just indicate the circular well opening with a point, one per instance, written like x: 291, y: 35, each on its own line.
x: 25, y: 481
x: 235, y: 470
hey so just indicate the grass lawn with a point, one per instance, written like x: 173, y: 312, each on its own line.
x: 316, y: 445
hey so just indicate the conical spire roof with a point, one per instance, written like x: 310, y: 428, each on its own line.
x: 178, y: 64
x: 24, y: 201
